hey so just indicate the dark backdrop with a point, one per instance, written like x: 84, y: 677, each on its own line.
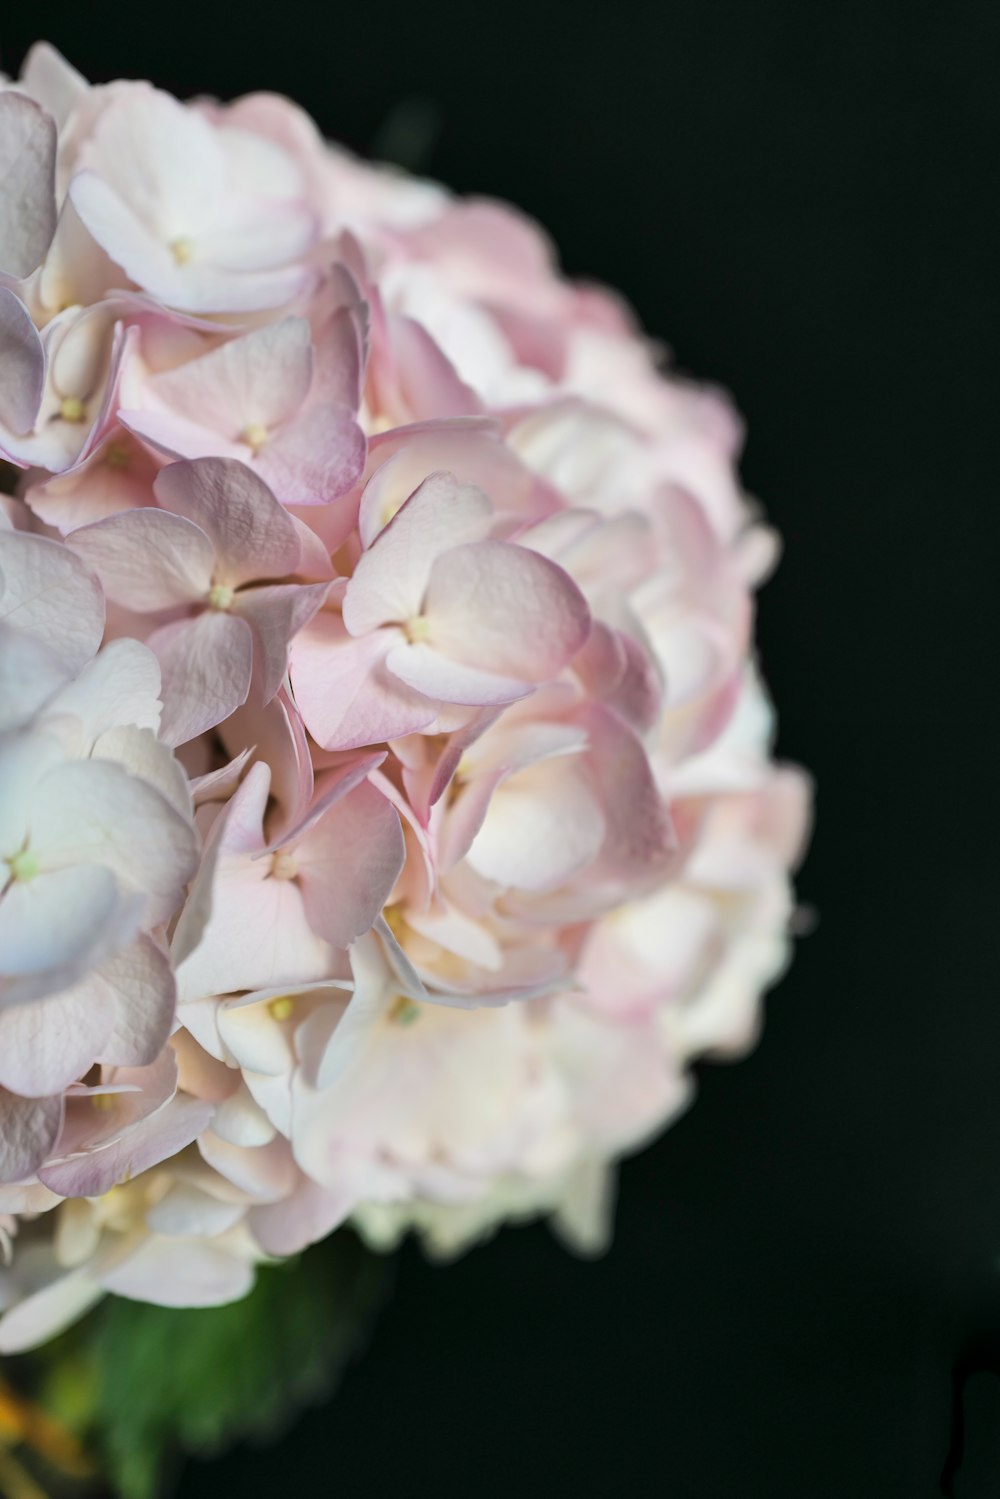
x: 796, y: 196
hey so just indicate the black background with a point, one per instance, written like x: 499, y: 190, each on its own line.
x: 796, y: 196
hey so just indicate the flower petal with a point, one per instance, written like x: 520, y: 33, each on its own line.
x: 505, y: 609
x: 22, y: 359
x: 29, y: 1128
x: 147, y: 559
x: 276, y: 614
x: 206, y: 664
x: 253, y: 536
x: 27, y: 183
x: 316, y: 458
x: 261, y: 379
x: 391, y: 578
x: 343, y: 691
x: 348, y: 864
x: 57, y: 927
x: 50, y: 594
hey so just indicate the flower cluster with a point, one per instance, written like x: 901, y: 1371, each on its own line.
x: 387, y: 815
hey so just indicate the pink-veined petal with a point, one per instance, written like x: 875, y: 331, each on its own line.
x: 29, y: 1128
x: 253, y: 536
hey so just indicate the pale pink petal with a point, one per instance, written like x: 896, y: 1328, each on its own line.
x: 187, y: 1211
x: 162, y: 1135
x: 278, y: 736
x: 120, y: 686
x: 308, y: 1215
x: 27, y: 183
x: 30, y: 675
x: 94, y: 812
x: 640, y: 838
x: 46, y: 1045
x: 239, y: 1120
x: 116, y: 476
x: 257, y: 936
x: 542, y: 826
x: 276, y: 614
x: 60, y: 925
x: 29, y: 1127
x: 332, y: 787
x: 147, y: 559
x: 48, y: 592
x: 504, y: 609
x: 206, y: 664
x: 266, y: 1172
x: 139, y: 982
x: 256, y: 933
x: 448, y: 681
x: 22, y: 360
x: 178, y: 437
x: 391, y: 578
x: 146, y: 757
x: 429, y: 384
x: 259, y: 380
x: 180, y: 1273
x: 348, y: 864
x: 52, y: 81
x: 314, y: 458
x: 253, y: 536
x: 343, y: 690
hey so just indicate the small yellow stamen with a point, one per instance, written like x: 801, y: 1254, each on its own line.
x: 181, y: 249
x: 102, y: 1102
x: 417, y: 629
x: 394, y: 918
x: 283, y: 865
x: 404, y: 1011
x: 72, y: 409
x: 118, y: 456
x: 24, y: 865
x: 255, y: 435
x: 220, y: 596
x: 281, y: 1006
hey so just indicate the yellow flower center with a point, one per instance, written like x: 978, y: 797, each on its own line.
x: 255, y: 435
x: 281, y: 1006
x: 72, y: 409
x: 283, y: 865
x: 24, y: 865
x: 181, y: 249
x: 417, y: 629
x: 404, y: 1011
x: 220, y: 596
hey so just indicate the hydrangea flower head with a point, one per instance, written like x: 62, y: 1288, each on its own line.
x: 387, y: 808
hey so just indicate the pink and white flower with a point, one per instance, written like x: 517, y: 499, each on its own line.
x: 388, y: 815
